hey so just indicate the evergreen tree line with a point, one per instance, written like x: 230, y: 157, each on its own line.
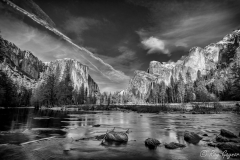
x: 54, y: 93
x: 208, y: 88
x: 49, y: 93
x: 11, y: 94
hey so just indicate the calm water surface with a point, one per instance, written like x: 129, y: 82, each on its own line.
x: 29, y: 124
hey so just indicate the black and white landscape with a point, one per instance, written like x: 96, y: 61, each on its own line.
x: 124, y: 79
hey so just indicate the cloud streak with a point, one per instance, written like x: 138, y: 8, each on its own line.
x: 49, y: 48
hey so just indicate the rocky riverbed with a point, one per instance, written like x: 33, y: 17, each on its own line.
x: 48, y: 134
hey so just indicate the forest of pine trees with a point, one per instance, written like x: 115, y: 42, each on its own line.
x: 12, y: 95
x: 51, y: 92
x: 207, y: 88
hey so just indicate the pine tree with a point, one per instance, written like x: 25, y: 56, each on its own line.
x: 180, y: 89
x: 86, y: 95
x: 109, y: 99
x: 236, y: 81
x: 8, y: 91
x: 218, y: 87
x: 172, y: 91
x: 189, y: 94
x: 82, y: 93
x: 201, y: 91
x: 162, y: 92
x: 50, y: 90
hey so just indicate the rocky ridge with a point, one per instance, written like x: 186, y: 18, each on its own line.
x: 202, y: 59
x: 27, y: 70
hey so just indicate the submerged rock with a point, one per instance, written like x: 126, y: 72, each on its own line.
x: 152, y: 143
x: 220, y: 138
x: 227, y: 134
x: 100, y: 137
x: 192, y: 137
x: 211, y: 144
x: 174, y: 145
x: 229, y: 147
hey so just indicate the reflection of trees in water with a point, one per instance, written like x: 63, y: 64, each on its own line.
x: 12, y: 119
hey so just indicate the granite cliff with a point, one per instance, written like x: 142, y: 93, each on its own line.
x: 216, y: 56
x: 27, y: 70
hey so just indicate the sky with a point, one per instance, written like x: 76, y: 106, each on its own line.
x: 121, y: 35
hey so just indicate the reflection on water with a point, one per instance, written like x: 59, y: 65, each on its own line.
x: 30, y: 124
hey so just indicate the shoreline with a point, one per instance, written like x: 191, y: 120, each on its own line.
x: 184, y: 108
x: 180, y: 108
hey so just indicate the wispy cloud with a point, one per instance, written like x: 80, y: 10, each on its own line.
x: 77, y: 25
x: 196, y: 30
x: 188, y: 24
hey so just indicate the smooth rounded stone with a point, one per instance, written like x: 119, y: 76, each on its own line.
x: 116, y: 136
x: 227, y: 134
x: 174, y: 145
x: 205, y: 134
x: 229, y: 147
x: 152, y: 143
x: 192, y: 137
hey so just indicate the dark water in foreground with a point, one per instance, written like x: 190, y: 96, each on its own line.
x: 28, y: 124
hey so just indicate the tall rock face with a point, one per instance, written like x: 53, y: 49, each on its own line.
x: 22, y: 60
x: 78, y: 73
x: 27, y: 70
x: 198, y: 59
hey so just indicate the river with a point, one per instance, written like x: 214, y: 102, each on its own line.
x: 23, y: 125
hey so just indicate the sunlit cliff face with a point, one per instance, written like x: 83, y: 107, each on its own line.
x: 199, y: 59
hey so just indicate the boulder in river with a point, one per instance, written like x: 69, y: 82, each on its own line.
x: 174, y: 145
x: 229, y: 147
x: 152, y: 143
x: 227, y: 134
x: 116, y: 136
x: 205, y: 134
x: 96, y: 125
x: 192, y: 137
